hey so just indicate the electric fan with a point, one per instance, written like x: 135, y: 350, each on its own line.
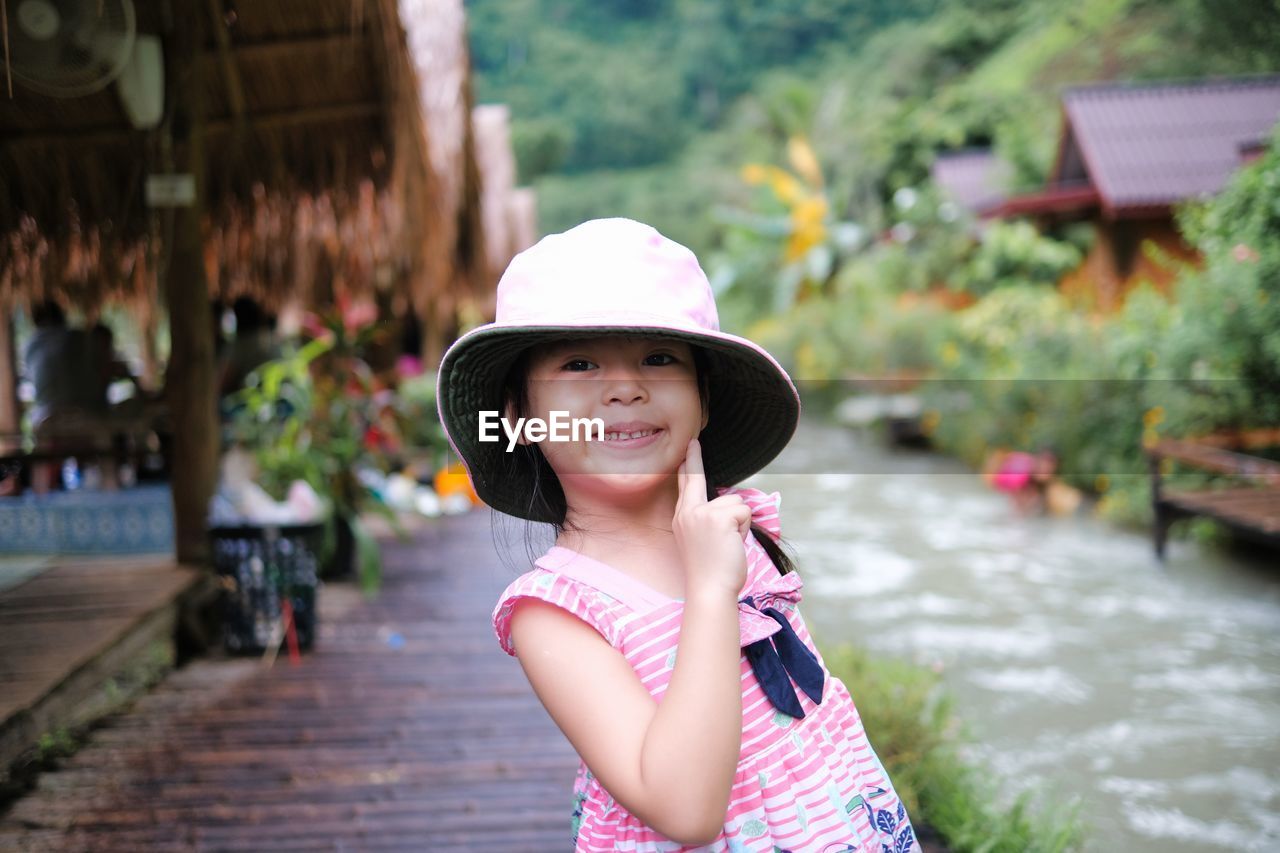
x: 69, y: 48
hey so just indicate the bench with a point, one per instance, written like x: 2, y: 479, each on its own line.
x: 120, y: 447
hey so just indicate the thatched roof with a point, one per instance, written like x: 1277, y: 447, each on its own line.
x: 437, y: 39
x: 508, y: 213
x: 323, y: 152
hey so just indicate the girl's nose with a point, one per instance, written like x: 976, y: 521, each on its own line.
x: 623, y: 383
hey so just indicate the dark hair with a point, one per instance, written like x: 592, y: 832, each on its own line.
x: 249, y: 315
x: 47, y: 313
x: 546, y: 498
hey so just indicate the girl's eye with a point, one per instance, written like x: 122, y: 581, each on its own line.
x: 658, y: 359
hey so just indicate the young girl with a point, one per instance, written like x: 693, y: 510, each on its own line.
x: 661, y: 631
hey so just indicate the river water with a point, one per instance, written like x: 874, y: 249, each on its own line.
x: 1081, y: 667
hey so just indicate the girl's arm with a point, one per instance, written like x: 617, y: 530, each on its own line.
x: 672, y: 764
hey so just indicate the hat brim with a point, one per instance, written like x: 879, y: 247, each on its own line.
x: 754, y: 407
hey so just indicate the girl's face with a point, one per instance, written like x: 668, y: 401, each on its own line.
x: 633, y: 385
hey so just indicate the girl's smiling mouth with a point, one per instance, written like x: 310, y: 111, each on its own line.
x: 632, y: 434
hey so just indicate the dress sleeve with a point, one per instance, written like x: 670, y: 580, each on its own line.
x: 765, y: 508
x: 585, y: 603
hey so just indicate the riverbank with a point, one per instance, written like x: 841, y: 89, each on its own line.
x: 953, y: 802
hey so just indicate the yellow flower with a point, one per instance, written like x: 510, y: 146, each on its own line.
x: 950, y: 353
x: 1101, y: 482
x: 803, y: 160
x: 929, y: 421
x: 1150, y: 437
x: 809, y: 213
x: 753, y: 173
x: 1153, y: 417
x: 807, y: 228
x: 784, y: 185
x: 1166, y: 466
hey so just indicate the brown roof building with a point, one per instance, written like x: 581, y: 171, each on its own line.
x: 1128, y: 153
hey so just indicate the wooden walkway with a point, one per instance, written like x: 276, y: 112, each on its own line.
x: 406, y: 728
x: 71, y: 627
x: 1252, y: 511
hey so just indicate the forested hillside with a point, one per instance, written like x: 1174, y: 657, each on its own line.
x: 624, y: 83
x: 651, y: 108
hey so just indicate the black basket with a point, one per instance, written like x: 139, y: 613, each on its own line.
x: 259, y: 567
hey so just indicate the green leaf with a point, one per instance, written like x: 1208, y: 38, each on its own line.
x: 368, y: 558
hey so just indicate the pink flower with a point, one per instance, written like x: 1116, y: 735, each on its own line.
x: 409, y: 365
x: 356, y: 314
x: 1243, y: 253
x: 314, y: 326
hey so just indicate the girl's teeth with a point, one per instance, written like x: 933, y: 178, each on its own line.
x: 613, y: 436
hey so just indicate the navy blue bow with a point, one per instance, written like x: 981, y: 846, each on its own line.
x: 780, y: 658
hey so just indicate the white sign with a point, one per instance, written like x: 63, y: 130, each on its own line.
x: 171, y: 190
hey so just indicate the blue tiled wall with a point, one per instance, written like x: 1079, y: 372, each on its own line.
x: 130, y: 521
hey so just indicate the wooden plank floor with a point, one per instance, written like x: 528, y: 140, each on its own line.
x: 70, y: 628
x: 405, y: 728
x: 1257, y: 508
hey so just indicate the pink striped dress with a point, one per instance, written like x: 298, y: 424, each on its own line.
x: 810, y: 783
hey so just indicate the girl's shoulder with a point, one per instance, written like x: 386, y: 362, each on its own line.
x: 549, y: 586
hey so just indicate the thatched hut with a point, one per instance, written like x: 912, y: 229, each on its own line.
x: 329, y: 150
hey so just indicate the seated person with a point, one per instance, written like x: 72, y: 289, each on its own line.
x: 254, y: 344
x: 70, y: 409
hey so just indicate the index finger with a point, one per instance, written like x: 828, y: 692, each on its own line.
x: 693, y: 482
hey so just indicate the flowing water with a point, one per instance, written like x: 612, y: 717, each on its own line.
x: 1081, y: 667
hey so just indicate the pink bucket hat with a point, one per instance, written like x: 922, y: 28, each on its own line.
x: 608, y: 277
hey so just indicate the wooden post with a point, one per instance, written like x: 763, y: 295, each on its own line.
x: 1162, y: 521
x: 189, y: 381
x: 1107, y: 273
x: 9, y: 412
x: 150, y: 354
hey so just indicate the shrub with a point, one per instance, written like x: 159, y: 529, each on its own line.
x: 909, y: 722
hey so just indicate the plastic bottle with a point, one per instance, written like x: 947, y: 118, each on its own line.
x: 70, y: 474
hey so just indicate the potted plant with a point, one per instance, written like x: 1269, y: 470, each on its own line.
x: 425, y: 447
x: 319, y: 414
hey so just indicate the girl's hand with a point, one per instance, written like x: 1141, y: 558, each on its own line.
x: 709, y: 534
